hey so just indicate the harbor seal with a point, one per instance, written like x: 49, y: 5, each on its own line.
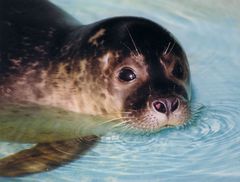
x: 127, y: 67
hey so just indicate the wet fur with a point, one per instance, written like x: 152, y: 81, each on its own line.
x: 45, y: 156
x: 56, y: 61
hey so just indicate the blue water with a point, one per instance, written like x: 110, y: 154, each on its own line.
x: 208, y: 148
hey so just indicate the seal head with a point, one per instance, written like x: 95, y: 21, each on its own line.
x: 143, y: 69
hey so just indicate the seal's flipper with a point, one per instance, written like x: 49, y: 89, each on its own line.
x: 44, y: 156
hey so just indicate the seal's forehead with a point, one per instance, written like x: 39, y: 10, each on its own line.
x: 119, y: 32
x: 95, y: 37
x: 132, y: 35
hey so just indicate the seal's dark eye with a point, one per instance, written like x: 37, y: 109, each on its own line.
x: 178, y: 71
x: 126, y: 74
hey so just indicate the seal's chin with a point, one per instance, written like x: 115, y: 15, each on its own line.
x: 149, y: 120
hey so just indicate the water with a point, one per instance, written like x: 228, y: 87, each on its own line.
x: 208, y: 149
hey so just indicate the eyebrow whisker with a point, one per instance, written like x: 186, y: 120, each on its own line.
x: 165, y: 52
x: 135, y: 55
x: 133, y: 41
x: 172, y: 48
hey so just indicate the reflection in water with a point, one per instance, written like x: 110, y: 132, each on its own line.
x: 208, y: 148
x: 30, y: 123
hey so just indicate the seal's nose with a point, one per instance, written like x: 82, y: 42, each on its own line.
x: 166, y: 105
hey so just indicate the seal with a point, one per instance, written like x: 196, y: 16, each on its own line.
x: 127, y: 67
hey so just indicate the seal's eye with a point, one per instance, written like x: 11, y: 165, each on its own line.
x: 178, y: 71
x: 126, y: 74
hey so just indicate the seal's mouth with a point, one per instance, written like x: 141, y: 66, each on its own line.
x: 160, y: 113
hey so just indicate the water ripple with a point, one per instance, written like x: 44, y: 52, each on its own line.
x: 214, y: 132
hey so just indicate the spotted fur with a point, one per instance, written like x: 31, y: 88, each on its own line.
x: 55, y: 61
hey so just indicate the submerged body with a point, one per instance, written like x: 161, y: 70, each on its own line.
x: 127, y: 68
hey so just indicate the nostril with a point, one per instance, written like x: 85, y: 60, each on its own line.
x: 175, y: 105
x: 160, y: 106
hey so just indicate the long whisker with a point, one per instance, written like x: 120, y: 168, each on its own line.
x: 122, y: 124
x: 121, y: 112
x: 133, y: 41
x: 124, y: 121
x: 113, y: 113
x: 112, y: 120
x: 168, y: 49
x: 135, y: 55
x: 121, y: 120
x: 172, y: 48
x: 126, y: 128
x: 165, y: 52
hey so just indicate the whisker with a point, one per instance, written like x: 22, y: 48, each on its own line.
x: 120, y: 112
x: 111, y: 120
x: 168, y: 50
x: 127, y: 128
x: 165, y: 52
x: 129, y: 49
x: 133, y: 41
x: 113, y: 113
x: 172, y: 48
x: 120, y: 124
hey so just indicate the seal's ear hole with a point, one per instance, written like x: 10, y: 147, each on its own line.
x: 178, y: 71
x: 126, y: 74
